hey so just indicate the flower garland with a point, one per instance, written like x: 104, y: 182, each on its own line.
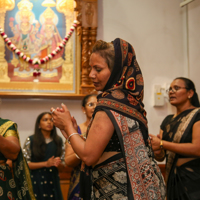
x: 36, y: 62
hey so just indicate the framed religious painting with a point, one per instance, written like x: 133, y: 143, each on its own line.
x: 40, y: 48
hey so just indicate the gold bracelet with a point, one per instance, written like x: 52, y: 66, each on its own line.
x: 71, y: 136
x: 77, y: 156
x: 161, y: 144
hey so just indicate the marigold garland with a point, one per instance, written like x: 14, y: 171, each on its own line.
x: 36, y: 62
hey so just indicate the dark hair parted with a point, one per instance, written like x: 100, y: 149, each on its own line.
x: 85, y: 99
x: 194, y: 100
x: 105, y: 50
x: 39, y: 145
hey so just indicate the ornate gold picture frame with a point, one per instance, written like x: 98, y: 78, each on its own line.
x: 32, y: 41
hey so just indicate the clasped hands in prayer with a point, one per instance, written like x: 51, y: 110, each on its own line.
x: 53, y: 161
x: 63, y: 120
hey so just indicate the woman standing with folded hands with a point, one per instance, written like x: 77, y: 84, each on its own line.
x: 116, y: 147
x: 44, y: 152
x: 179, y: 142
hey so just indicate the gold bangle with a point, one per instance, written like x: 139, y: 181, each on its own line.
x: 161, y: 144
x: 77, y: 156
x: 71, y: 136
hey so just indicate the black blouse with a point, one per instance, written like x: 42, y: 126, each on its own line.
x: 113, y: 144
x: 188, y: 138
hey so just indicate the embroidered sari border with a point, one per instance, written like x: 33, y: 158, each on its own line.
x: 123, y: 108
x: 177, y: 138
x: 4, y: 127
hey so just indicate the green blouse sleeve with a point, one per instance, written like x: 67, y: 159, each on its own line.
x: 12, y: 131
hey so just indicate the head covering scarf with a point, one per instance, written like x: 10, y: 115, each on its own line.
x: 124, y: 90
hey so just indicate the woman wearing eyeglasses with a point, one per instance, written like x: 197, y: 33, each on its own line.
x: 71, y: 159
x: 179, y: 142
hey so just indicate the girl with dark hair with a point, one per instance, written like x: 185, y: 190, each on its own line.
x: 89, y: 103
x: 44, y: 151
x: 116, y: 152
x: 179, y: 142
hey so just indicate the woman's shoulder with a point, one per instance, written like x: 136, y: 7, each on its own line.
x: 30, y: 137
x: 8, y: 121
x: 197, y: 117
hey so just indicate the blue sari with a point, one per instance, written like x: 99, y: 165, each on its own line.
x: 74, y: 188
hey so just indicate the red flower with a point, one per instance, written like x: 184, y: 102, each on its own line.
x: 117, y: 105
x: 35, y: 74
x: 36, y: 67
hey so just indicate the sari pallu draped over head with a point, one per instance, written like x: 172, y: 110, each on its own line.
x: 183, y: 182
x: 20, y: 168
x: 122, y: 100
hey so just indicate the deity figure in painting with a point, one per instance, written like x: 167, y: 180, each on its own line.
x: 49, y: 39
x: 25, y: 32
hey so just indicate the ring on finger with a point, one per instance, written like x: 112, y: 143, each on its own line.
x: 53, y: 111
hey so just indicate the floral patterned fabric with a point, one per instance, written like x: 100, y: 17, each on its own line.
x: 135, y: 168
x: 145, y: 178
x: 110, y: 179
x: 16, y: 186
x: 122, y: 100
x: 124, y: 90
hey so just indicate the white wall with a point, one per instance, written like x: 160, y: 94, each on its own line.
x: 156, y: 29
x: 25, y: 111
x: 194, y: 42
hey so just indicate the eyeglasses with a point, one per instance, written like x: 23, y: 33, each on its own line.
x: 91, y: 104
x: 175, y: 89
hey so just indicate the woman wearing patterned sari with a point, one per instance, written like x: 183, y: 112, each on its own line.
x: 116, y: 147
x: 180, y: 135
x: 16, y: 185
